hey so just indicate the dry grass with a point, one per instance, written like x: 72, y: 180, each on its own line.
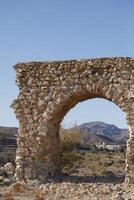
x: 93, y: 163
x: 88, y: 162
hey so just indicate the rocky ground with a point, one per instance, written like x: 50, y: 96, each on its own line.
x: 87, y: 191
x: 88, y: 175
x: 68, y: 191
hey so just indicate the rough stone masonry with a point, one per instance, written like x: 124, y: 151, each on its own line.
x: 48, y: 90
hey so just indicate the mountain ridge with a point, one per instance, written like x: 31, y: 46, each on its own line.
x: 94, y: 132
x: 108, y: 131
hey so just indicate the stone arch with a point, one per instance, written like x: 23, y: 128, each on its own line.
x: 48, y: 90
x: 95, y: 110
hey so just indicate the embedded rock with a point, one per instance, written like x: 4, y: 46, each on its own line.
x: 9, y: 169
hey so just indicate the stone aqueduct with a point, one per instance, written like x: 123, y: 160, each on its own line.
x: 48, y: 90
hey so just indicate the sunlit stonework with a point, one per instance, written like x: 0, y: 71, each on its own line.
x: 48, y: 90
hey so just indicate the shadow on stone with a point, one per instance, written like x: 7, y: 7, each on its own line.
x: 89, y: 179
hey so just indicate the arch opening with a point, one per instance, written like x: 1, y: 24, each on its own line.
x: 95, y: 146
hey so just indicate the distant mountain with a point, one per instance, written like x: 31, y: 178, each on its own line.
x: 8, y: 135
x: 92, y: 132
x: 7, y: 144
x: 12, y: 131
x: 102, y: 132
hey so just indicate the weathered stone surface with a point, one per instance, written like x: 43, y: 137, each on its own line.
x: 48, y: 90
x: 1, y: 179
x: 7, y: 181
x: 9, y: 169
x: 28, y: 173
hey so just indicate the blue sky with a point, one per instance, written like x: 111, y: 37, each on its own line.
x: 58, y: 30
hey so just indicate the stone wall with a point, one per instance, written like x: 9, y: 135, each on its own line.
x: 48, y: 90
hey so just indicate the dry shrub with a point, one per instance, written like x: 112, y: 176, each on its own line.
x: 39, y: 198
x: 38, y: 194
x: 16, y: 188
x: 9, y: 197
x: 70, y: 138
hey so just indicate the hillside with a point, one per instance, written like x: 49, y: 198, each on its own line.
x: 8, y: 136
x: 12, y: 131
x: 92, y: 132
x: 98, y: 132
x: 7, y: 144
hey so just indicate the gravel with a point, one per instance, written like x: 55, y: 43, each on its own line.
x: 72, y: 191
